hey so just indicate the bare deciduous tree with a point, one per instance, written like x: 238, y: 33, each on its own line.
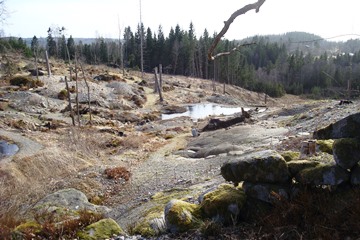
x: 3, y: 12
x: 254, y: 6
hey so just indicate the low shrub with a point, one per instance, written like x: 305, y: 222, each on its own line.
x: 25, y: 81
x: 63, y: 94
x: 117, y: 172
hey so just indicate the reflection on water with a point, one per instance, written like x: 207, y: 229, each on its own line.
x: 200, y: 111
x: 7, y: 149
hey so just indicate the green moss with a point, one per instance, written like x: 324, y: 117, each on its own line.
x: 298, y: 165
x: 165, y: 196
x: 310, y: 175
x: 103, y: 229
x: 325, y: 145
x: 182, y: 216
x: 224, y: 203
x: 290, y: 155
x: 63, y: 94
x: 149, y: 225
x: 29, y: 227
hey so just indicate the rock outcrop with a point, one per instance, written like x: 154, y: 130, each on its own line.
x: 70, y: 199
x: 345, y: 128
x: 267, y: 178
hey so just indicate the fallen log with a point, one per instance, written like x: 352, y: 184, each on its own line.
x: 215, y: 124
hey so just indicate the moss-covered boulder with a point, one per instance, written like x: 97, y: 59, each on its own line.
x: 265, y: 166
x: 323, y: 174
x: 181, y: 216
x: 266, y: 192
x: 224, y: 204
x: 151, y: 224
x: 325, y: 145
x: 346, y: 152
x: 103, y: 229
x: 345, y: 128
x: 296, y: 166
x: 290, y: 155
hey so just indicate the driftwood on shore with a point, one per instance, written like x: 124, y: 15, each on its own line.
x: 215, y: 124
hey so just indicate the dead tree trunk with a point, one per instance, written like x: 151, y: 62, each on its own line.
x: 47, y: 64
x: 77, y: 93
x: 160, y: 74
x: 256, y: 6
x: 158, y: 85
x: 36, y: 63
x: 67, y: 88
x: 69, y: 99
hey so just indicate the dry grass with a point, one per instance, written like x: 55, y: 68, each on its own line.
x: 316, y: 214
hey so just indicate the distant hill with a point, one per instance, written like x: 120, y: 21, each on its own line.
x: 308, y: 42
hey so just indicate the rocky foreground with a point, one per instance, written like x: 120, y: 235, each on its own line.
x: 125, y: 173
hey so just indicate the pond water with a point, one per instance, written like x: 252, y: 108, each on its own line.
x: 203, y: 110
x: 7, y: 149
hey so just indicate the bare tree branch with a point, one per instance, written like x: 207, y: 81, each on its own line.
x: 256, y: 6
x: 232, y: 50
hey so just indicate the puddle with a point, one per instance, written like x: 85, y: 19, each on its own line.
x: 200, y: 111
x: 7, y: 149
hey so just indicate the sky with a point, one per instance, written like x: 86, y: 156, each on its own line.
x: 107, y: 18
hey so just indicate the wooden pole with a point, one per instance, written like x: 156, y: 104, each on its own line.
x: 158, y: 85
x: 77, y: 92
x: 47, y: 63
x: 160, y: 74
x: 69, y: 99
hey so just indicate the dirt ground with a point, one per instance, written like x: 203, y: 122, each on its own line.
x: 125, y: 133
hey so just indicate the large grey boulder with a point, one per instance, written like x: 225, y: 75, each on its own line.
x: 69, y: 199
x: 345, y: 128
x: 323, y: 174
x: 265, y: 166
x: 346, y: 152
